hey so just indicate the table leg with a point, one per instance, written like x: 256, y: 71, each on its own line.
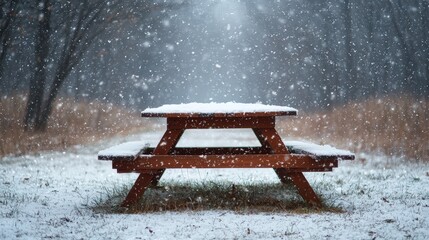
x: 268, y: 137
x: 139, y: 187
x: 283, y: 175
x: 156, y: 177
x: 168, y: 141
x: 304, y: 188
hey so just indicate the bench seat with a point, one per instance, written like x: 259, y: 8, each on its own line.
x: 125, y: 151
x: 130, y: 151
x: 319, y: 152
x: 138, y: 157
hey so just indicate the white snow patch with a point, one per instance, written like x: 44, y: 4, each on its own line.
x: 124, y: 149
x: 207, y: 108
x: 321, y: 150
x: 50, y: 195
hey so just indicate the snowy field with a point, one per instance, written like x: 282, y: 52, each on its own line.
x: 51, y: 195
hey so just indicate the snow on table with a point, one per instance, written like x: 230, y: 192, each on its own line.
x: 208, y: 108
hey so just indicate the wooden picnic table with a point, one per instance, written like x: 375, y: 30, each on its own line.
x: 288, y: 163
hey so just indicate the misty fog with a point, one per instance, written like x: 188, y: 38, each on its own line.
x: 304, y: 53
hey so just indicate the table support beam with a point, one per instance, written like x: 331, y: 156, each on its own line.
x: 168, y: 142
x: 139, y: 187
x: 226, y: 122
x: 270, y: 138
x: 300, y: 182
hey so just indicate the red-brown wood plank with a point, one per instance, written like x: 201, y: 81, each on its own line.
x: 148, y: 162
x: 269, y: 138
x: 219, y: 150
x: 227, y: 122
x: 304, y: 188
x: 324, y: 169
x: 168, y: 141
x: 204, y: 151
x: 139, y: 187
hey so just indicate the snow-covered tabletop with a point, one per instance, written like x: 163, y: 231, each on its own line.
x: 218, y: 110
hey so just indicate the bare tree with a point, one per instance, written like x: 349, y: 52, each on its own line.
x: 425, y: 44
x: 8, y: 13
x: 37, y: 83
x: 329, y: 63
x: 62, y: 46
x: 83, y: 23
x: 66, y: 30
x: 350, y: 67
x: 401, y: 25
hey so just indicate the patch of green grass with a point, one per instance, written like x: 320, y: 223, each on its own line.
x: 241, y: 198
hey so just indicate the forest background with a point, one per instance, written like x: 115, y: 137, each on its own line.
x: 75, y: 72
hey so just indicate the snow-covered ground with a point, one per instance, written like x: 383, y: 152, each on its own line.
x: 51, y: 195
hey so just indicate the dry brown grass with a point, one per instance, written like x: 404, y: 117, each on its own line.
x: 71, y: 123
x: 395, y: 126
x: 201, y: 196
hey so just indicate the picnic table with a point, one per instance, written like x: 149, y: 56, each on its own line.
x: 289, y: 159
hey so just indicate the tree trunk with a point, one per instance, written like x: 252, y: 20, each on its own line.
x: 68, y: 59
x: 350, y: 83
x: 42, y: 121
x: 408, y: 60
x: 5, y: 34
x: 371, y: 20
x: 425, y: 47
x: 37, y: 83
